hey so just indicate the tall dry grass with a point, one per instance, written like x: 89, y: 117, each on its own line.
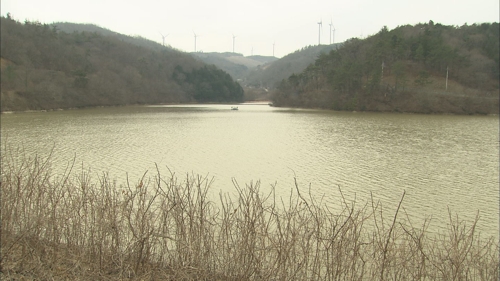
x: 77, y: 227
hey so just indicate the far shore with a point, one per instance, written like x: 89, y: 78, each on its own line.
x: 258, y: 102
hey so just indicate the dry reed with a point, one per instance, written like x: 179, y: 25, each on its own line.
x: 75, y: 227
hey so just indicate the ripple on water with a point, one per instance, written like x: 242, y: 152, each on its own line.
x: 440, y: 161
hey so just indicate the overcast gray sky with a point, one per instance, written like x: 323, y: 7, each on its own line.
x: 257, y: 24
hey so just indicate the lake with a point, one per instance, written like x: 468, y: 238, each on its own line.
x: 440, y: 161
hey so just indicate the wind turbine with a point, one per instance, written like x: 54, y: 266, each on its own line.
x: 195, y: 41
x: 163, y: 37
x: 233, y: 41
x: 333, y: 36
x: 331, y: 24
x: 274, y: 43
x: 320, y: 24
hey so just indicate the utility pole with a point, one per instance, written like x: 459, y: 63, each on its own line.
x: 382, y: 78
x: 26, y: 78
x: 383, y: 64
x: 446, y: 78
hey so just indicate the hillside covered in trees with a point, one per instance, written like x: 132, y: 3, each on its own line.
x: 269, y: 75
x: 426, y: 68
x: 46, y: 68
x: 236, y: 65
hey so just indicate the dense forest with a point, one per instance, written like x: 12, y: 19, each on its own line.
x: 271, y: 74
x: 209, y: 84
x: 425, y: 68
x: 46, y: 68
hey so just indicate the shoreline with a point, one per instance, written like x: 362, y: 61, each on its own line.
x: 247, y: 103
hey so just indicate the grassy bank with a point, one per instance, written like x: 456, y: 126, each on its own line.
x: 76, y: 227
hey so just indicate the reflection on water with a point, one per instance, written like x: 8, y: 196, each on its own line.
x: 440, y: 161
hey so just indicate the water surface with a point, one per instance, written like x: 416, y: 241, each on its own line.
x: 440, y: 161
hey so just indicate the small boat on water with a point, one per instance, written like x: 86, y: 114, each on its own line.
x: 234, y: 108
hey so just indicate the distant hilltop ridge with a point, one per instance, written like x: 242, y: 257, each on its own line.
x: 264, y: 71
x: 254, y: 71
x: 427, y: 68
x: 236, y: 65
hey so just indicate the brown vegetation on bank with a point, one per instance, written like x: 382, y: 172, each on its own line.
x: 75, y: 227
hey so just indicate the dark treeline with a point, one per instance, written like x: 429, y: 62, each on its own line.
x: 209, y: 84
x: 46, y: 68
x: 404, y: 69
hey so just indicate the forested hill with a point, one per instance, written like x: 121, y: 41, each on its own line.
x: 426, y: 68
x: 69, y: 27
x: 234, y: 64
x: 270, y: 74
x: 43, y: 67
